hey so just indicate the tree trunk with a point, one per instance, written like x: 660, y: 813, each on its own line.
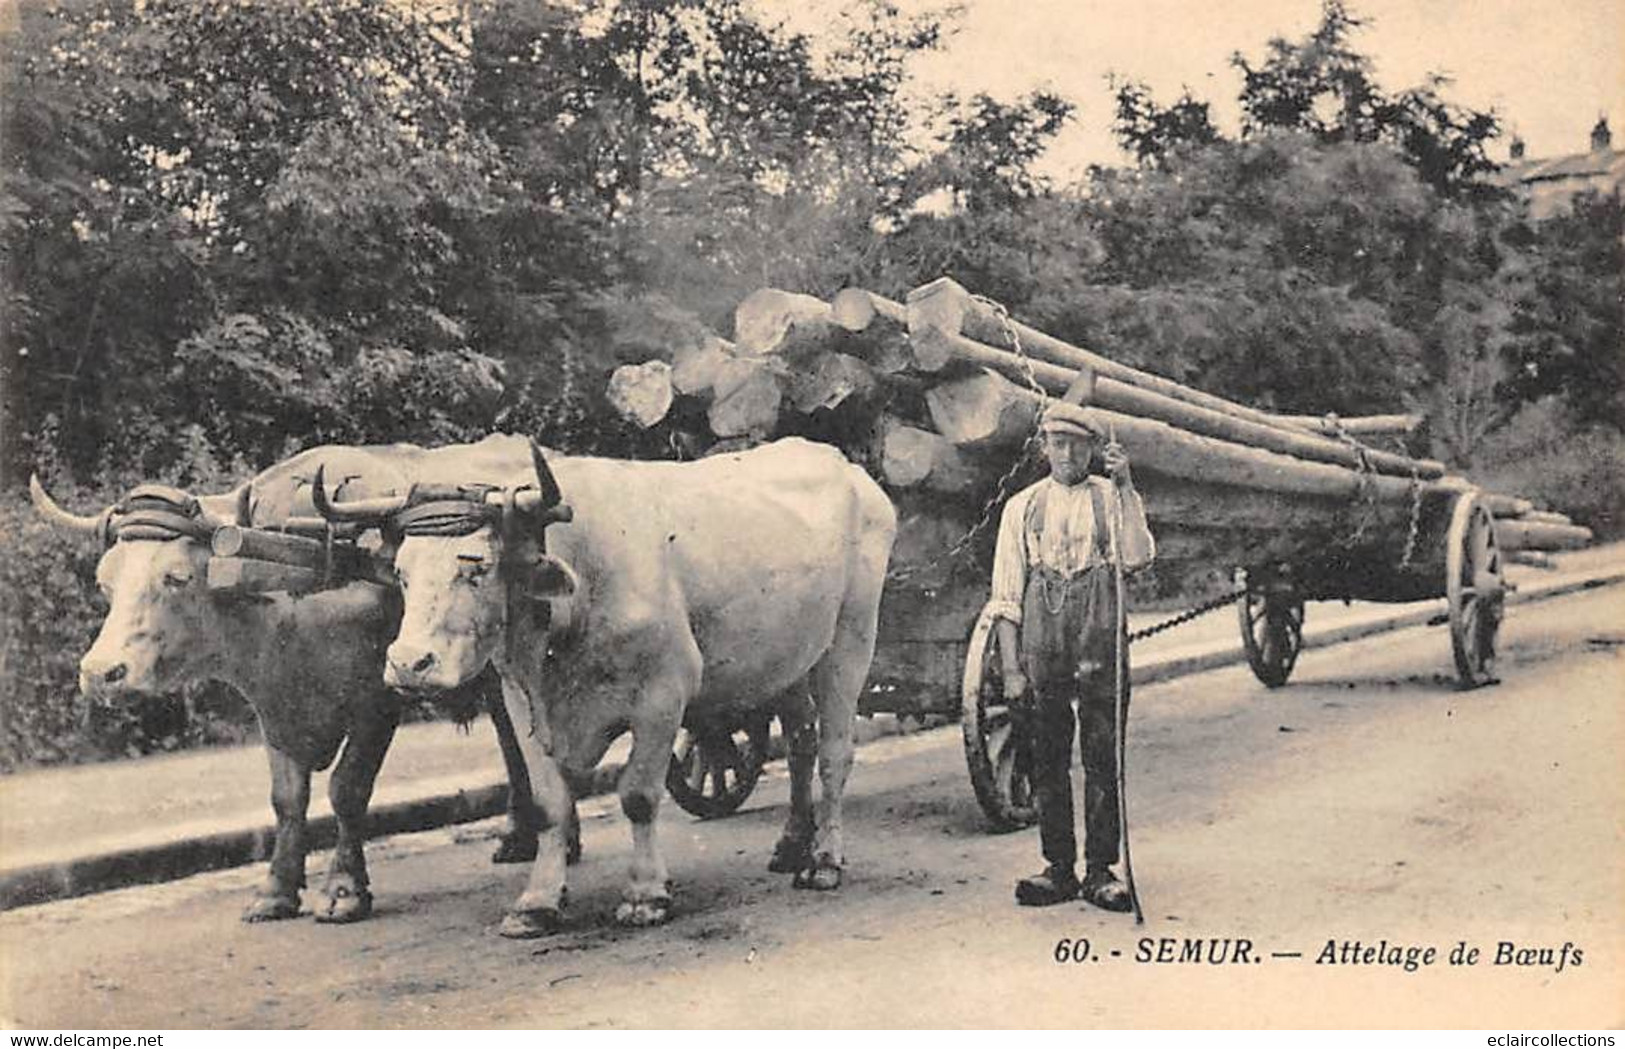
x: 1537, y: 535
x: 1505, y: 505
x: 694, y: 367
x: 1359, y: 425
x: 911, y: 457
x: 831, y: 382
x: 746, y: 399
x: 1119, y: 396
x: 946, y: 307
x: 770, y: 321
x: 641, y: 393
x: 877, y: 329
x: 1198, y: 506
x: 982, y: 411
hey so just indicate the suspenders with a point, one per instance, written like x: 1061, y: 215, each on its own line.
x: 1034, y: 522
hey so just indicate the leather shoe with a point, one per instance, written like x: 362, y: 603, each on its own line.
x: 1103, y: 889
x: 1054, y: 885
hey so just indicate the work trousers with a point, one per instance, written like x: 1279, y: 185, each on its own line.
x: 1067, y: 648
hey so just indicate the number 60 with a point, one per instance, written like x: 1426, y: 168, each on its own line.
x: 1069, y: 950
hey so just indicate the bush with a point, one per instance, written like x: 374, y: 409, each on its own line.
x: 1574, y: 469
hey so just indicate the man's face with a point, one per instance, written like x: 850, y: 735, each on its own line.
x: 1069, y: 455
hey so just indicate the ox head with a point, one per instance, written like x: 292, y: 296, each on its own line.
x: 470, y: 560
x: 161, y: 612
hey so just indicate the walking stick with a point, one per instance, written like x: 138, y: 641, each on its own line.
x: 1121, y: 640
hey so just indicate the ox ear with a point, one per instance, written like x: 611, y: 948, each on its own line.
x: 550, y: 577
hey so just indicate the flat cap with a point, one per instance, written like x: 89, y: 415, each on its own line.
x: 1060, y: 417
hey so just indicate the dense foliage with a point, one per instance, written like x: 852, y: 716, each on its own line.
x: 229, y: 230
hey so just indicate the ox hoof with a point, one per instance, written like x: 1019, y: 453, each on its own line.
x: 267, y: 908
x: 345, y: 903
x: 516, y: 846
x: 790, y: 857
x: 528, y: 925
x: 823, y: 876
x: 639, y: 914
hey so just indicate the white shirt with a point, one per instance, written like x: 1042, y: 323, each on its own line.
x: 1064, y: 542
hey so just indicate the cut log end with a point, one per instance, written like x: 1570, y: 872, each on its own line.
x: 982, y: 411
x: 773, y: 321
x: 641, y: 393
x: 747, y: 398
x: 694, y: 367
x: 911, y: 457
x: 837, y: 379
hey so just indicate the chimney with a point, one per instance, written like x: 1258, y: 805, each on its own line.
x: 1517, y: 148
x: 1601, y: 137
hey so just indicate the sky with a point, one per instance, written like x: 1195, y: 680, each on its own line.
x: 1549, y: 69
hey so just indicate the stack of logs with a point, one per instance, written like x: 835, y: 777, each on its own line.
x: 938, y: 397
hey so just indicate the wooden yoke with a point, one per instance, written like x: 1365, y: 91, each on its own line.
x: 256, y: 560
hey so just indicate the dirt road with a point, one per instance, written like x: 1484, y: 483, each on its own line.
x: 1367, y: 801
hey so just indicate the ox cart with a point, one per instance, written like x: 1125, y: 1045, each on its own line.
x: 939, y: 398
x: 938, y: 653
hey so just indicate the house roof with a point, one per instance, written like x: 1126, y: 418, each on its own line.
x: 1597, y: 163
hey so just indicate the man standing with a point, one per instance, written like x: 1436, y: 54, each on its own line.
x: 1054, y: 597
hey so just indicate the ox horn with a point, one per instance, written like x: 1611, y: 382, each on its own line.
x: 551, y: 496
x: 549, y: 500
x: 67, y: 521
x: 241, y: 504
x: 363, y: 510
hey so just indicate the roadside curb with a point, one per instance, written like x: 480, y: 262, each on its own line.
x: 1212, y: 658
x: 170, y: 860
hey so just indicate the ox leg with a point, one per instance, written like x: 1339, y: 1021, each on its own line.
x: 539, y: 909
x: 347, y: 891
x: 518, y: 843
x: 793, y: 853
x: 647, y: 900
x: 837, y: 682
x: 278, y: 898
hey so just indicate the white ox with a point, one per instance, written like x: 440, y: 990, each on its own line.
x: 310, y: 667
x: 663, y: 594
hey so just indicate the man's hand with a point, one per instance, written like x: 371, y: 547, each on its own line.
x: 1117, y: 465
x: 1015, y: 686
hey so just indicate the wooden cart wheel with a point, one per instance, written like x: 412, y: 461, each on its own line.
x: 1000, y: 764
x: 713, y: 770
x: 1475, y: 590
x: 1272, y: 633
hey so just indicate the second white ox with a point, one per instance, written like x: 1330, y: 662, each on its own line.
x: 661, y: 594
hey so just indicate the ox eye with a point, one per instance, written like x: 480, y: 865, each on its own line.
x: 473, y: 568
x: 176, y: 579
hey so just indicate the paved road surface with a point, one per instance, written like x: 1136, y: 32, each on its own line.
x: 1368, y: 800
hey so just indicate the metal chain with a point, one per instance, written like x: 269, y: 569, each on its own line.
x: 1001, y: 490
x: 1195, y: 612
x: 1416, y: 519
x: 1365, y: 475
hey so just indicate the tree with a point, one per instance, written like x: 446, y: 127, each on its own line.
x: 1568, y: 302
x: 1151, y: 132
x: 1323, y: 86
